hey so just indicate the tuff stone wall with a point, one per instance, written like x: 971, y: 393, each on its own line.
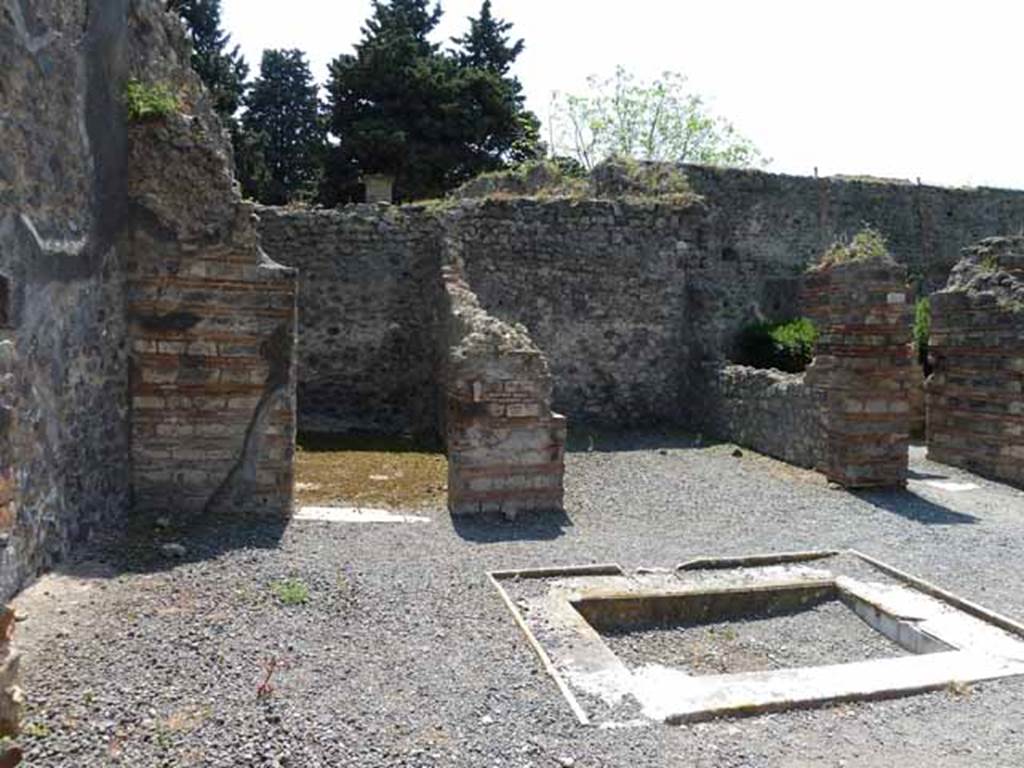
x: 769, y: 411
x: 506, y: 448
x: 80, y: 208
x: 782, y: 218
x: 64, y: 356
x: 612, y: 292
x: 628, y: 298
x: 211, y: 318
x: 976, y: 391
x: 8, y: 489
x: 862, y: 369
x: 12, y: 699
x: 369, y: 291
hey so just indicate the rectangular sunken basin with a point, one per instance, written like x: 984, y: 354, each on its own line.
x: 731, y: 631
x: 739, y: 638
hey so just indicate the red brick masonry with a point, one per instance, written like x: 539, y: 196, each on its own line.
x: 506, y: 449
x: 976, y: 392
x: 863, y: 366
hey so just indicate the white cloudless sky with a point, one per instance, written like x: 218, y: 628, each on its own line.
x: 900, y: 88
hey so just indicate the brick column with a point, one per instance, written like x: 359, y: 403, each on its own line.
x: 862, y: 367
x: 212, y: 325
x: 505, y: 447
x: 976, y: 391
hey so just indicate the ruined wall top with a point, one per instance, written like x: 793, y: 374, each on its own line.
x: 993, y: 266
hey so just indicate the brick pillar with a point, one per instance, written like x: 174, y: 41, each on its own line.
x: 212, y: 325
x: 976, y: 391
x: 862, y: 367
x: 506, y: 449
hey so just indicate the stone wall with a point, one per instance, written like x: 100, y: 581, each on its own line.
x: 779, y: 218
x: 769, y: 411
x: 369, y: 289
x: 976, y: 391
x: 614, y: 293
x: 64, y: 355
x: 8, y: 412
x: 81, y: 208
x: 506, y: 449
x: 627, y: 298
x: 862, y: 369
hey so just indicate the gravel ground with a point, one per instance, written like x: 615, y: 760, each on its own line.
x: 404, y: 655
x: 828, y: 633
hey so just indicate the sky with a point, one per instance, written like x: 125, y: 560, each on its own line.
x: 895, y: 88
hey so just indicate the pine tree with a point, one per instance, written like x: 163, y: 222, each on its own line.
x: 283, y: 117
x: 410, y: 21
x: 223, y: 71
x: 486, y: 45
x: 401, y: 106
x: 488, y: 48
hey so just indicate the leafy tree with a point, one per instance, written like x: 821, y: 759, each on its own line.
x: 223, y: 71
x: 401, y: 106
x: 283, y: 121
x: 660, y: 120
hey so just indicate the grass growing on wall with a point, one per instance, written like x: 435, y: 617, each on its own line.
x: 148, y: 101
x: 787, y: 346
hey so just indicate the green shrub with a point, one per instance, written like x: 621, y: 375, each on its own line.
x: 787, y: 346
x: 149, y: 102
x: 922, y: 329
x: 867, y: 244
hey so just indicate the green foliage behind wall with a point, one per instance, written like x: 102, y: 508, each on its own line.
x: 786, y: 346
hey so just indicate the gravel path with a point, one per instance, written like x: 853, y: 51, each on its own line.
x: 403, y: 655
x: 828, y: 633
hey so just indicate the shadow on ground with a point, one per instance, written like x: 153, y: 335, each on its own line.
x: 913, y: 507
x: 528, y: 526
x: 147, y: 544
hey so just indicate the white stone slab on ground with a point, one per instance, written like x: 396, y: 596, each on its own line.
x: 354, y: 515
x: 952, y: 486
